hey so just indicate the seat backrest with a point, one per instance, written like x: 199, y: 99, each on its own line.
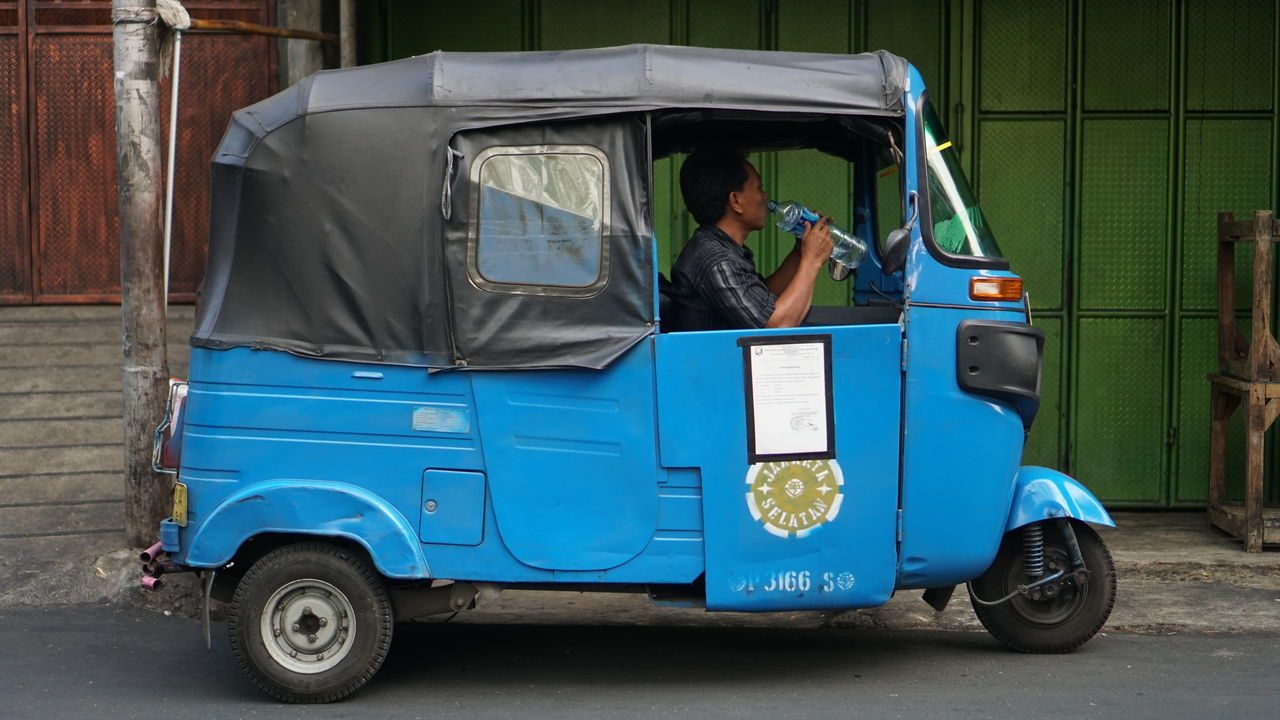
x: 666, y: 305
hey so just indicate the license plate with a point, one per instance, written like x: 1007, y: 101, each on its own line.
x: 180, y: 504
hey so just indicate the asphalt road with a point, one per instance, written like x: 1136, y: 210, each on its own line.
x: 98, y: 661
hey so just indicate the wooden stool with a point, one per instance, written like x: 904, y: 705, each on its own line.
x: 1248, y: 374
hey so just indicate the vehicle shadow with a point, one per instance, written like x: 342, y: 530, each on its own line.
x: 522, y: 655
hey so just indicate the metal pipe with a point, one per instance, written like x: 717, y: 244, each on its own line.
x: 151, y: 553
x: 173, y: 145
x: 1021, y: 590
x: 253, y: 29
x: 151, y: 582
x: 1073, y: 545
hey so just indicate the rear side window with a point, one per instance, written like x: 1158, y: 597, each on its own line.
x: 541, y: 214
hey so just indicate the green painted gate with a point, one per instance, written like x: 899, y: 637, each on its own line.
x: 1103, y: 137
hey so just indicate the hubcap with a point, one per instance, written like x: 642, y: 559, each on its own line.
x: 307, y: 626
x: 1049, y: 604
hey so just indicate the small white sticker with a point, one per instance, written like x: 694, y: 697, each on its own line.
x: 441, y: 419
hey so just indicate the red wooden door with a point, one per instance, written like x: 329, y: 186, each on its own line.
x: 57, y: 143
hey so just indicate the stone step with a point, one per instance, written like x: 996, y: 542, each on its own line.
x: 62, y: 333
x: 58, y: 333
x: 86, y: 403
x: 73, y: 355
x: 63, y: 379
x: 70, y: 458
x: 44, y: 431
x: 62, y: 518
x: 45, y: 488
x: 76, y: 354
x: 53, y: 313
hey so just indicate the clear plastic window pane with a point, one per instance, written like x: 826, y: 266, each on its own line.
x: 959, y: 227
x: 541, y: 219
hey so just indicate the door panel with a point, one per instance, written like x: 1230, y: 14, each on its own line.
x: 573, y: 472
x: 848, y: 559
x: 960, y: 453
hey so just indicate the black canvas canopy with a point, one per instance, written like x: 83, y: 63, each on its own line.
x: 380, y: 213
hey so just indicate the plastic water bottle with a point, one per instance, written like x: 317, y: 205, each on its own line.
x: 847, y: 248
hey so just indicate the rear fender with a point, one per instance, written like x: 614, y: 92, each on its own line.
x: 1041, y: 493
x: 310, y: 507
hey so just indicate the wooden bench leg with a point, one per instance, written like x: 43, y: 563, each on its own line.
x: 1257, y: 432
x: 1221, y: 405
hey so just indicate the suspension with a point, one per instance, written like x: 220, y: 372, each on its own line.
x: 1033, y: 551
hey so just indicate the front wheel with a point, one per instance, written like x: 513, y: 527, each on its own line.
x: 1054, y: 618
x: 310, y: 623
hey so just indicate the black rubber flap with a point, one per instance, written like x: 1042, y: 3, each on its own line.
x: 1001, y: 360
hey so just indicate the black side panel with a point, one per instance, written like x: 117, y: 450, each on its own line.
x: 323, y: 241
x: 510, y: 327
x: 1001, y: 359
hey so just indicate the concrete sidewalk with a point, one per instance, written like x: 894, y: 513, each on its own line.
x: 61, y: 513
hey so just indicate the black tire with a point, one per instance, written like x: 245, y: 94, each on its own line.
x: 1041, y: 624
x: 322, y: 603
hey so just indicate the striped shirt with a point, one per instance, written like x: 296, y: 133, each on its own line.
x: 715, y: 286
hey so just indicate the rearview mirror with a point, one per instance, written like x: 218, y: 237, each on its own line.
x: 895, y: 250
x: 896, y: 244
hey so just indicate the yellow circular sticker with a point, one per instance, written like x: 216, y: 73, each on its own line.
x: 794, y: 497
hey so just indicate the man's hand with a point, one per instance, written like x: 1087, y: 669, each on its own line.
x: 815, y: 244
x: 794, y: 301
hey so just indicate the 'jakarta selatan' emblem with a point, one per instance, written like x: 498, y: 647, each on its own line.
x: 793, y: 498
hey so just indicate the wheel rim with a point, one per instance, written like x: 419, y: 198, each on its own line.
x: 308, y: 625
x: 1038, y: 607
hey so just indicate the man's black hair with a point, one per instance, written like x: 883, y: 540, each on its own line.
x: 706, y: 179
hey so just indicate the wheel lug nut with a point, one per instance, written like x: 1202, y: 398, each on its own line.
x: 276, y: 632
x: 311, y: 638
x: 306, y: 610
x: 296, y: 627
x: 324, y: 622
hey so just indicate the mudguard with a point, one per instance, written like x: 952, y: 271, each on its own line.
x: 1041, y: 493
x: 313, y: 508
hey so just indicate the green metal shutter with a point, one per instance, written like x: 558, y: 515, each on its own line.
x: 1103, y: 137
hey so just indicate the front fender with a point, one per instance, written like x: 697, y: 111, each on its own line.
x: 1041, y: 493
x: 310, y: 507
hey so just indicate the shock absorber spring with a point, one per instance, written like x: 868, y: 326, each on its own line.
x: 1033, y: 550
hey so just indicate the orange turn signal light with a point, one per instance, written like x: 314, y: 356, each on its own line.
x: 995, y: 288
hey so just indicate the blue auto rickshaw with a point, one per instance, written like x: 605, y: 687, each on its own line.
x: 429, y: 364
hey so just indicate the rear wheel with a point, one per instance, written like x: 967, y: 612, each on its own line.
x: 310, y: 623
x: 1054, y: 618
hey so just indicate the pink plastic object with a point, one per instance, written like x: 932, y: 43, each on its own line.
x: 151, y: 553
x: 151, y: 583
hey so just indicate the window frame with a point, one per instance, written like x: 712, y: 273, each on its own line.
x: 925, y: 200
x: 473, y: 233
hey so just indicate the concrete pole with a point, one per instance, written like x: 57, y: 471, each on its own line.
x: 148, y: 495
x: 347, y: 33
x: 299, y: 58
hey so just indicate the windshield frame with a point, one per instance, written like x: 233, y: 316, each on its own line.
x: 925, y: 204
